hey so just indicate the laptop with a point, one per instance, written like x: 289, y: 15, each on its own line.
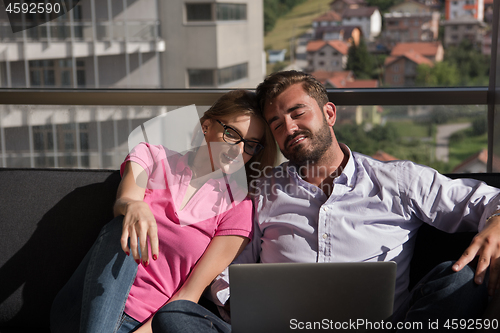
x: 290, y: 297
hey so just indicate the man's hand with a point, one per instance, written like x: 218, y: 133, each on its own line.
x: 485, y: 245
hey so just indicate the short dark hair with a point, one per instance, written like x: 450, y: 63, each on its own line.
x: 278, y: 82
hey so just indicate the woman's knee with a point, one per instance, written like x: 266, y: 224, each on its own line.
x: 184, y: 316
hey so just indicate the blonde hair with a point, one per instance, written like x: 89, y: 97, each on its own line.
x: 244, y: 102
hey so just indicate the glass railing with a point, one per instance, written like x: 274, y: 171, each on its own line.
x: 445, y: 128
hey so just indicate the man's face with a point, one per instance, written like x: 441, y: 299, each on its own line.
x: 301, y: 128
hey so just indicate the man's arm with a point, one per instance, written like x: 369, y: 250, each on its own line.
x: 485, y: 245
x: 454, y: 206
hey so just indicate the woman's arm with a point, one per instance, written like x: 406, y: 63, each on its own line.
x: 138, y: 222
x: 221, y: 251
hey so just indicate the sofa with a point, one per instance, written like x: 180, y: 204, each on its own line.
x: 49, y: 218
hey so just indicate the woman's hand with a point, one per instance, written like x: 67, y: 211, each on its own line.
x: 139, y: 223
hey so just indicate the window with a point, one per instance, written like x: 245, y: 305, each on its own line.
x: 201, y: 77
x: 223, y: 12
x: 395, y: 78
x: 56, y: 145
x: 206, y: 77
x: 56, y: 73
x: 42, y: 73
x: 232, y: 73
x: 321, y: 54
x: 231, y: 12
x: 199, y: 12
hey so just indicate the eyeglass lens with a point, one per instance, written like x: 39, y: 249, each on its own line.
x: 231, y: 136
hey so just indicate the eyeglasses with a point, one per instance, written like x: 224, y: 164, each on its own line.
x: 231, y: 136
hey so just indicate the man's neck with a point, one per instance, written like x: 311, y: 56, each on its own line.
x: 329, y: 167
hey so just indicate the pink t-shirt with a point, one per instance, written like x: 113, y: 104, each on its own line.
x: 183, y: 234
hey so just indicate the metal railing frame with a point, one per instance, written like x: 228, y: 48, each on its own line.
x: 151, y: 97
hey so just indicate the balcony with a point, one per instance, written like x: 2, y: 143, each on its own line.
x: 80, y: 39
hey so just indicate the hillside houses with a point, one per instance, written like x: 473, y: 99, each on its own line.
x: 326, y: 56
x: 411, y: 21
x: 410, y: 36
x: 401, y: 65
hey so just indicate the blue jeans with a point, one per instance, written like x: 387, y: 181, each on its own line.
x: 187, y: 317
x: 94, y: 298
x: 440, y: 295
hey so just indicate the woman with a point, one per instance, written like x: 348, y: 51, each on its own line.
x: 196, y: 224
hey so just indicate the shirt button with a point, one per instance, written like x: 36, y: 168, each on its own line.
x: 325, y: 209
x: 325, y: 236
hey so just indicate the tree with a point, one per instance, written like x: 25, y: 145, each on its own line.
x: 359, y: 60
x: 472, y: 65
x: 441, y: 74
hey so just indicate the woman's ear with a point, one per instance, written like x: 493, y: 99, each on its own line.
x: 206, y: 125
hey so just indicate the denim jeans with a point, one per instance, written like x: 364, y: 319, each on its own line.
x: 127, y: 324
x: 440, y: 295
x: 187, y: 317
x: 94, y: 298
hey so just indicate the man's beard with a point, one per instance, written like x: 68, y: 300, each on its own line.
x: 320, y: 142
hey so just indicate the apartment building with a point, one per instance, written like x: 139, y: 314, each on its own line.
x: 410, y: 21
x: 467, y: 27
x: 367, y: 18
x: 139, y: 44
x: 107, y: 44
x: 459, y: 8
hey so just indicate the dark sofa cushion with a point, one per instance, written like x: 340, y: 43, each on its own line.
x: 433, y: 246
x: 49, y: 219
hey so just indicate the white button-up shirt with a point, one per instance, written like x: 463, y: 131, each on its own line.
x: 372, y: 214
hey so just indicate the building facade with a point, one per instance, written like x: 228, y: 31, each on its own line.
x: 107, y: 44
x: 460, y: 8
x: 411, y: 21
x: 328, y: 56
x: 367, y: 18
x: 456, y: 30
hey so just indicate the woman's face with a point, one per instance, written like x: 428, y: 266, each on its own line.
x: 231, y: 157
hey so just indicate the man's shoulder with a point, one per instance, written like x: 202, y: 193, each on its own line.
x: 362, y: 159
x: 277, y: 173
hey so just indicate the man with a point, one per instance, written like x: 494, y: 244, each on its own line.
x: 328, y: 204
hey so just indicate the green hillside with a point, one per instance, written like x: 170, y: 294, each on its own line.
x: 294, y: 23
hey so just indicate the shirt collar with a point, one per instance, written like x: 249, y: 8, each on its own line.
x: 217, y: 180
x: 348, y: 175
